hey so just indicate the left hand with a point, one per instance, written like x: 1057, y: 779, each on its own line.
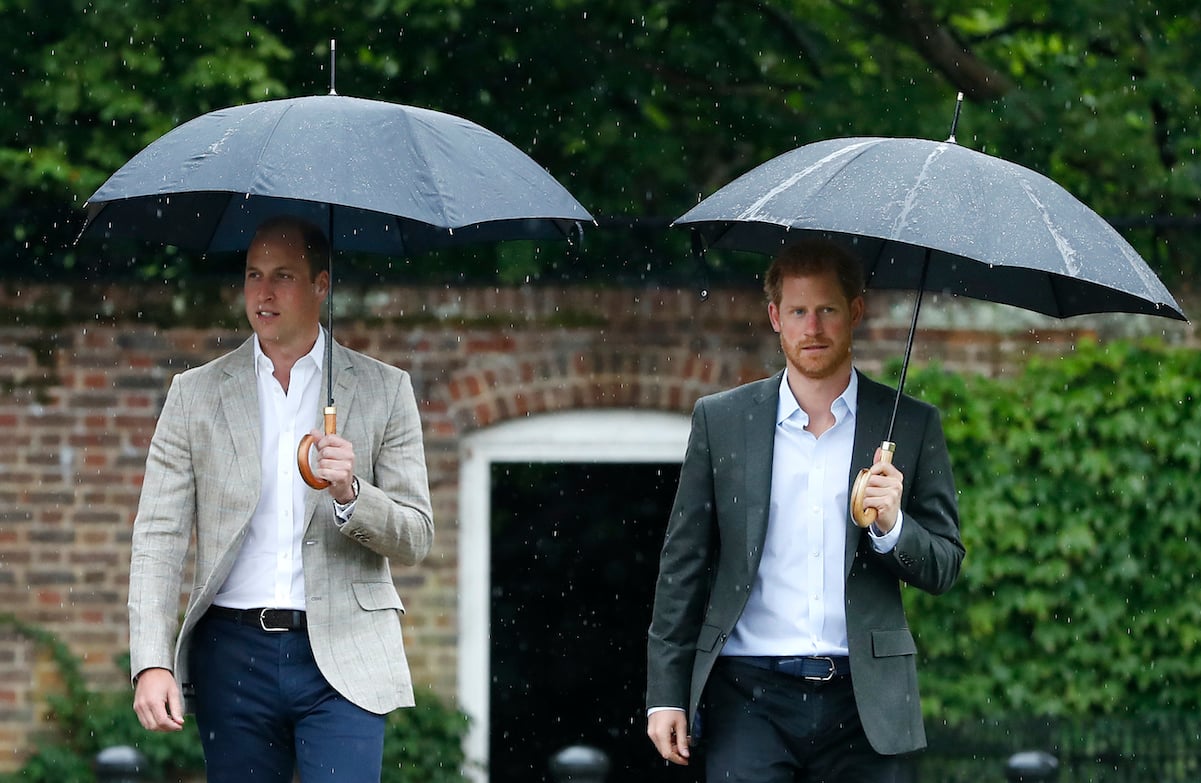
x: 335, y: 464
x: 884, y: 487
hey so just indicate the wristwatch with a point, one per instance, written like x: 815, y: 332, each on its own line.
x: 343, y: 510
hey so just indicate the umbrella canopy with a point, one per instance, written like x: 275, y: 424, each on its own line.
x: 379, y: 177
x: 973, y: 224
x: 935, y: 216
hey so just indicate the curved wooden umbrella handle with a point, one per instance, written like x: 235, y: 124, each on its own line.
x: 306, y: 443
x: 864, y: 517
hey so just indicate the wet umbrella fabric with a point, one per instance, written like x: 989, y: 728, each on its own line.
x: 377, y: 177
x: 974, y: 225
x: 380, y: 177
x: 934, y: 216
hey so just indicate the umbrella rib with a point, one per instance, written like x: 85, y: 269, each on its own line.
x: 902, y: 219
x: 246, y: 192
x: 422, y: 153
x: 756, y: 209
x: 1066, y: 251
x: 216, y: 225
x: 266, y: 140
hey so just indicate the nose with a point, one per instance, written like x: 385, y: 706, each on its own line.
x: 260, y: 290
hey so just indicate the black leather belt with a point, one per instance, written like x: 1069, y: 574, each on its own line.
x: 821, y: 668
x: 270, y: 620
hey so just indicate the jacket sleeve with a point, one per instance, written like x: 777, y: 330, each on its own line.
x: 929, y: 552
x: 685, y: 574
x: 162, y: 530
x: 393, y: 515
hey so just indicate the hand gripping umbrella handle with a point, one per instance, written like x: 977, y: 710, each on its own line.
x: 864, y: 517
x: 306, y: 443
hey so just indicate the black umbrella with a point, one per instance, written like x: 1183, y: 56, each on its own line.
x: 936, y: 216
x: 378, y: 177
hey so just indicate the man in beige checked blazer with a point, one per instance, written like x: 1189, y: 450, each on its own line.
x: 290, y: 650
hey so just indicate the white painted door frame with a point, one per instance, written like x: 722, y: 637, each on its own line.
x: 599, y: 435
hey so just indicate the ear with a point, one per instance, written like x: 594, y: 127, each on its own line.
x: 858, y: 308
x: 321, y: 283
x: 773, y: 312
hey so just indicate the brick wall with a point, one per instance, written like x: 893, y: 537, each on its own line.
x: 84, y: 370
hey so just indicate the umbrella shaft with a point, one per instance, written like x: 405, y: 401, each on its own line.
x: 329, y: 347
x: 917, y: 308
x: 329, y: 302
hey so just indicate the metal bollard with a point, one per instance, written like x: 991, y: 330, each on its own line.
x: 120, y: 764
x: 579, y: 764
x: 1032, y: 765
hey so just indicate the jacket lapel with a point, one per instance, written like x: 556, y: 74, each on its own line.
x: 345, y: 383
x: 760, y: 423
x: 240, y: 405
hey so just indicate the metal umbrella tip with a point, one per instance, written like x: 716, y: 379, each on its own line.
x: 333, y: 50
x: 955, y: 119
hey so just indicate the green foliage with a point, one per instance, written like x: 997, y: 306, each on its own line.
x: 88, y: 722
x: 104, y: 720
x: 424, y: 744
x: 1078, y: 497
x: 638, y: 107
x: 421, y: 745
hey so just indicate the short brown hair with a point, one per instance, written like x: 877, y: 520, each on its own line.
x: 814, y: 256
x: 316, y: 246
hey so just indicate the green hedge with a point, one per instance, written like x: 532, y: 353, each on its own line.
x: 1081, y: 512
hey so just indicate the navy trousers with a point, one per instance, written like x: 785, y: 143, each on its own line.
x: 765, y: 726
x: 265, y: 712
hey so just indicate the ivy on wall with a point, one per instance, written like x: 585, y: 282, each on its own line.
x: 1080, y: 508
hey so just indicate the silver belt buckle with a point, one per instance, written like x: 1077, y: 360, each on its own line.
x: 829, y: 675
x: 272, y: 629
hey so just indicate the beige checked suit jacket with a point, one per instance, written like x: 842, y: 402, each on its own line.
x: 203, y: 479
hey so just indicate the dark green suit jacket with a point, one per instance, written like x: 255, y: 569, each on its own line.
x: 715, y: 539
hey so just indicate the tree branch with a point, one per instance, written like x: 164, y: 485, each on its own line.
x: 787, y: 24
x: 935, y: 42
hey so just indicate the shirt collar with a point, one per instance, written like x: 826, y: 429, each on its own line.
x: 263, y: 363
x: 846, y: 404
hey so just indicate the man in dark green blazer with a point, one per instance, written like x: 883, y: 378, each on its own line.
x: 778, y: 631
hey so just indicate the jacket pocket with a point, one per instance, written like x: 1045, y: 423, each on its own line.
x: 708, y: 638
x: 889, y: 643
x: 377, y: 595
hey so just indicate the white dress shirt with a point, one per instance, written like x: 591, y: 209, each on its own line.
x: 268, y: 570
x: 797, y: 602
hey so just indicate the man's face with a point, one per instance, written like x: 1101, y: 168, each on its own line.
x: 283, y: 300
x: 815, y: 322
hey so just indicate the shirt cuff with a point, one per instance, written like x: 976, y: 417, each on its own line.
x: 653, y: 710
x: 343, y: 510
x: 886, y: 542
